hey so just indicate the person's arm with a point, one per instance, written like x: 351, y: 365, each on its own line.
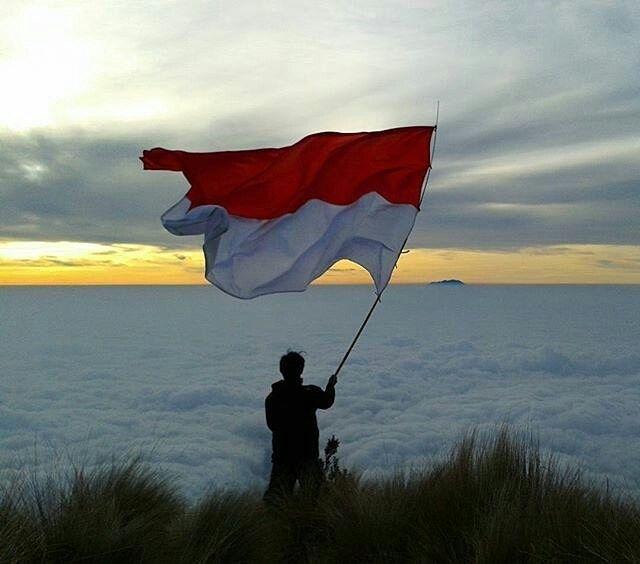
x: 327, y: 396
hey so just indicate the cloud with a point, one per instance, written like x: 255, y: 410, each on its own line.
x: 625, y: 264
x: 180, y: 374
x: 95, y: 191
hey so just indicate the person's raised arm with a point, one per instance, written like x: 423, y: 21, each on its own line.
x: 327, y: 397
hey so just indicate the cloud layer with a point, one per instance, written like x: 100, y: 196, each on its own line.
x: 180, y: 374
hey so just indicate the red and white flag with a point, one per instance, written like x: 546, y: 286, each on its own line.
x: 273, y: 220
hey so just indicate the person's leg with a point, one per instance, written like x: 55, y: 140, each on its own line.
x: 311, y: 478
x: 283, y: 478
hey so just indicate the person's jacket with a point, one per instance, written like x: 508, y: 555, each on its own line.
x: 291, y: 416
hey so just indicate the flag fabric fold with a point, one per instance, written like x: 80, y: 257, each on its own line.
x: 274, y: 220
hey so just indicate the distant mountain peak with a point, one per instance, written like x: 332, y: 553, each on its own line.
x: 451, y: 282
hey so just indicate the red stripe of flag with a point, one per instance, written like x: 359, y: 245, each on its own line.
x: 337, y: 168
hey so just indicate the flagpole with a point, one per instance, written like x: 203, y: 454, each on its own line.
x: 378, y: 296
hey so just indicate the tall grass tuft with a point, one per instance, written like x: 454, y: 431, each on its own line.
x: 224, y: 527
x: 118, y: 513
x: 17, y: 530
x: 495, y: 499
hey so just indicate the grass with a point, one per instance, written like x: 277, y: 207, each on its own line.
x: 494, y: 499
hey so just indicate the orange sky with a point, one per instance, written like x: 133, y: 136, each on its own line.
x: 53, y: 263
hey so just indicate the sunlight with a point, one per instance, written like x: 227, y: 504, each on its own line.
x: 36, y: 250
x: 43, y: 65
x: 72, y: 262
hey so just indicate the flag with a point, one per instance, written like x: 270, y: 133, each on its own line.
x: 275, y: 219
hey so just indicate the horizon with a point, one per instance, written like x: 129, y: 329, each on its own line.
x: 63, y: 263
x: 314, y: 285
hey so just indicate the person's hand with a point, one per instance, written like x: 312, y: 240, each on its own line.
x: 333, y: 379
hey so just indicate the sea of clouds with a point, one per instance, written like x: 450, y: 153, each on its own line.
x: 179, y: 375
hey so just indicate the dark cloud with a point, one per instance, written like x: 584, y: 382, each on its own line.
x: 95, y: 190
x: 53, y: 261
x: 621, y: 264
x: 86, y: 190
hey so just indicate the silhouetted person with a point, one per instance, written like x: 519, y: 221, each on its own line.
x: 291, y: 416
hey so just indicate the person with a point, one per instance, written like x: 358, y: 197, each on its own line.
x: 291, y: 416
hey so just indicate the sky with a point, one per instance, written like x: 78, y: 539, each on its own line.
x: 536, y: 175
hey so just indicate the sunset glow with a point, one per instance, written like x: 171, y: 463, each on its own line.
x: 65, y: 262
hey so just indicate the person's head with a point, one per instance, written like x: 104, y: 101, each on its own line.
x: 291, y: 367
